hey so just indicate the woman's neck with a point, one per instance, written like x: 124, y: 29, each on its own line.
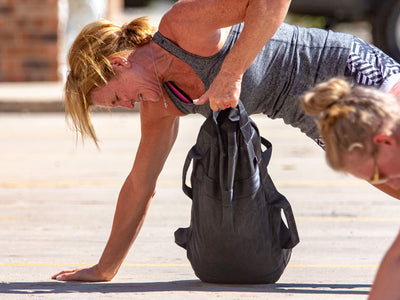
x: 170, y: 68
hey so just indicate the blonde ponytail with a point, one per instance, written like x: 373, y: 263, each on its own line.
x: 135, y: 34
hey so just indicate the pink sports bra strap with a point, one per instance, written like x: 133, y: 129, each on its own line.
x: 177, y: 93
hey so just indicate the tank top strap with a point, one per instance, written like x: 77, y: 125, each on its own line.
x: 206, y: 68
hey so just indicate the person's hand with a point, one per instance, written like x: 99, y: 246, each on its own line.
x: 223, y: 93
x: 83, y: 274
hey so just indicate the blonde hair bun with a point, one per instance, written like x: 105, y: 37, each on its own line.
x: 325, y: 95
x: 349, y: 117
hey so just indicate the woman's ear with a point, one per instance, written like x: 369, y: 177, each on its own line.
x: 119, y: 62
x: 384, y: 139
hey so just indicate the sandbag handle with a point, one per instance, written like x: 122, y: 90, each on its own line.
x: 192, y: 154
x: 267, y: 153
x: 292, y: 228
x: 227, y: 124
x: 227, y: 128
x: 238, y: 120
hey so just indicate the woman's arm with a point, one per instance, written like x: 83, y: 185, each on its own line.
x: 195, y: 26
x: 388, y: 190
x: 386, y: 285
x: 262, y: 20
x: 157, y: 139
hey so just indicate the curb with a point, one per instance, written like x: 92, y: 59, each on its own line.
x: 29, y: 106
x: 38, y: 97
x: 31, y: 97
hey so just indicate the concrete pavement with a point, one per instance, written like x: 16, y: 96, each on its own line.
x: 57, y: 200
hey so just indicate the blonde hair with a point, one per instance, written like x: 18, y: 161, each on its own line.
x: 348, y: 118
x: 90, y: 67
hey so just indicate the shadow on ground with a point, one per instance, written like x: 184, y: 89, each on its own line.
x: 54, y: 287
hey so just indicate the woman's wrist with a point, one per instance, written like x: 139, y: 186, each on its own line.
x: 103, y: 274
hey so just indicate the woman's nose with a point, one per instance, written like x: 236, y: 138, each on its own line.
x: 126, y: 104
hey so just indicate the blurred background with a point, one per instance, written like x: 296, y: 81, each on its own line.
x: 35, y: 35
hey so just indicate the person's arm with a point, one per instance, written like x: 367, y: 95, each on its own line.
x: 157, y: 139
x: 386, y: 284
x: 388, y: 190
x: 262, y: 20
x: 195, y: 26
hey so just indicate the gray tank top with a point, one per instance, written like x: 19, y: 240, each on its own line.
x: 292, y: 62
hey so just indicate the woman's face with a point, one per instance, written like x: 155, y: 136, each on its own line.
x: 113, y: 94
x: 381, y: 168
x: 131, y: 83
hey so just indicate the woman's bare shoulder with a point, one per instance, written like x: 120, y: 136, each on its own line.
x: 194, y: 24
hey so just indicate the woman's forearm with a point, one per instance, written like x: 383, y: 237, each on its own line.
x: 262, y: 20
x: 130, y: 213
x: 158, y: 137
x: 388, y: 190
x: 386, y: 285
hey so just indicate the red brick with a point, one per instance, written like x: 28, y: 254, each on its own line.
x: 29, y: 39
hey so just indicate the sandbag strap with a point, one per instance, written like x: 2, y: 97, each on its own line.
x: 292, y: 228
x: 267, y: 153
x: 190, y: 156
x: 290, y: 236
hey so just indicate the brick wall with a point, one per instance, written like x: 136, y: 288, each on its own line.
x: 32, y: 38
x: 29, y: 40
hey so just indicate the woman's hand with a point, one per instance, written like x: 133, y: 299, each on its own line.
x: 84, y: 274
x: 224, y: 92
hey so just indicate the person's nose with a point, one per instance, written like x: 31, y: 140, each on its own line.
x: 126, y: 104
